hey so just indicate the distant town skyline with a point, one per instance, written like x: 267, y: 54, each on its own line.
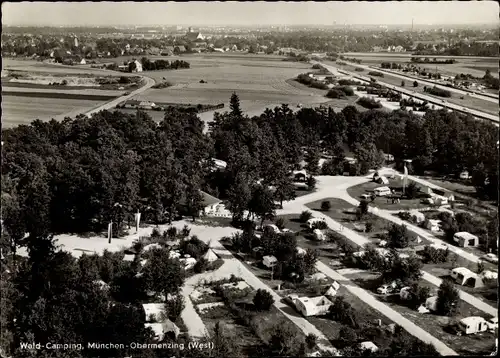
x: 198, y: 13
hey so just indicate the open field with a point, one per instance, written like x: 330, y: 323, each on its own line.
x: 23, y: 110
x: 261, y: 81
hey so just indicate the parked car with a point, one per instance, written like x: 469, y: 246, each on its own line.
x: 490, y: 258
x: 428, y: 201
x: 492, y: 323
x: 385, y: 289
x: 365, y: 196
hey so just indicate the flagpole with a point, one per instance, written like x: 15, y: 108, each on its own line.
x: 110, y: 232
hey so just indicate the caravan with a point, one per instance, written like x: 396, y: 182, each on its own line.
x: 382, y: 191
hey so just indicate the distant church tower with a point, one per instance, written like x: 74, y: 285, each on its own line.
x: 76, y: 41
x: 190, y: 29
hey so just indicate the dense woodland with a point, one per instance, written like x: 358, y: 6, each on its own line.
x: 79, y: 174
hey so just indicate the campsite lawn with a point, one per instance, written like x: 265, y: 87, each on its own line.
x: 384, y: 203
x: 345, y: 213
x: 434, y: 324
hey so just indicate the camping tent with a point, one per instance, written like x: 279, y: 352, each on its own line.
x: 210, y: 256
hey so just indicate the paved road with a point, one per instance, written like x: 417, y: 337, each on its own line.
x: 394, y: 316
x: 465, y: 296
x: 430, y: 99
x: 426, y: 82
x: 112, y: 104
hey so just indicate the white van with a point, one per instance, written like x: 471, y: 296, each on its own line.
x: 382, y: 191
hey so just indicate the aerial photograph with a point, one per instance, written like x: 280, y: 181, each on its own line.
x: 249, y: 179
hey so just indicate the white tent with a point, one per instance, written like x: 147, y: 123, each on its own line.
x: 369, y: 345
x: 210, y: 256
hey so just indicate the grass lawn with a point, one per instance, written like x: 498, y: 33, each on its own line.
x: 248, y: 341
x: 367, y: 316
x: 432, y: 323
x: 462, y: 190
x: 344, y: 212
x: 382, y: 202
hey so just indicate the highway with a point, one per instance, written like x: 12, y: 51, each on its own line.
x: 112, y: 104
x: 427, y: 82
x: 424, y: 97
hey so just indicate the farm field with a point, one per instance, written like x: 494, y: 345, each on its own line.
x: 23, y: 110
x: 468, y: 101
x: 51, y: 92
x: 260, y: 82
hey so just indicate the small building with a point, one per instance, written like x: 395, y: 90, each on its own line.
x: 382, y: 191
x: 382, y: 180
x: 473, y: 324
x: 210, y: 204
x: 465, y: 277
x: 314, y: 306
x: 138, y: 66
x: 368, y: 346
x: 151, y: 247
x: 440, y: 200
x: 174, y: 254
x: 300, y: 175
x: 129, y: 258
x: 433, y: 225
x: 219, y: 164
x: 210, y: 256
x: 83, y: 62
x: 301, y: 251
x: 333, y: 289
x: 310, y: 223
x: 269, y: 261
x: 165, y: 328
x: 188, y: 262
x: 155, y: 312
x: 417, y: 216
x: 464, y: 175
x: 318, y: 235
x: 465, y: 239
x: 272, y: 228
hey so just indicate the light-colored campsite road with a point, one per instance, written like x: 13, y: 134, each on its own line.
x: 234, y: 266
x: 335, y: 187
x: 394, y: 316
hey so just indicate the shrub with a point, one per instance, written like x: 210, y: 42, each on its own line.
x: 347, y: 337
x: 326, y: 205
x: 398, y: 236
x: 369, y: 227
x: 415, y: 84
x: 263, y: 300
x: 201, y: 265
x: 185, y: 231
x: 335, y: 93
x: 435, y: 255
x: 402, y: 83
x: 280, y: 223
x: 448, y: 298
x: 369, y: 103
x: 404, y: 215
x: 304, y: 216
x: 376, y: 73
x: 311, y: 340
x: 438, y: 91
x: 342, y: 311
x: 172, y: 232
x: 174, y: 307
x: 321, y: 225
x: 155, y: 234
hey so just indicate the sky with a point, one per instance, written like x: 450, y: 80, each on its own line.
x: 248, y: 13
